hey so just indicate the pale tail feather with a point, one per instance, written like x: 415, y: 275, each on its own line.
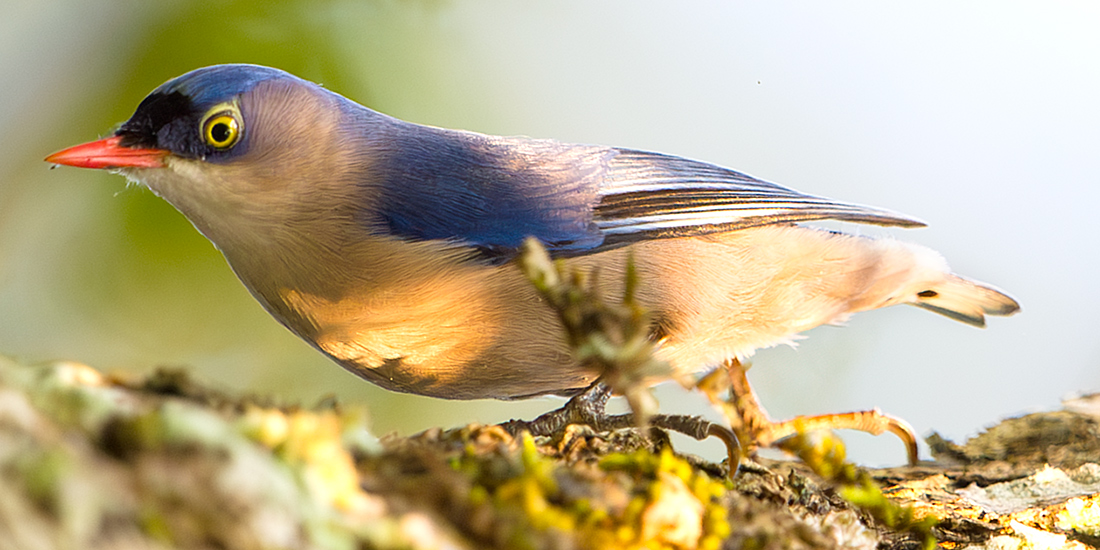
x: 966, y: 300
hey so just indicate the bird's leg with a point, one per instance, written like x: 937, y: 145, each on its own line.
x: 760, y: 431
x: 589, y: 408
x: 699, y: 428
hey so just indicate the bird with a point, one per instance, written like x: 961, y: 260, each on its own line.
x: 388, y: 245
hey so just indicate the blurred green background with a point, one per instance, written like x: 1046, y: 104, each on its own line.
x: 981, y: 118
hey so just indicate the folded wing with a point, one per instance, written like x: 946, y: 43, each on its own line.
x: 491, y: 192
x: 650, y: 195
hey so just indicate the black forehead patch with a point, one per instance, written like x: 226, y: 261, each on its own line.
x: 170, y: 116
x: 156, y: 113
x: 170, y: 121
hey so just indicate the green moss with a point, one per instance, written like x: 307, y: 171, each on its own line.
x: 825, y: 453
x: 651, y: 473
x: 652, y: 484
x: 73, y: 395
x: 154, y: 524
x: 43, y: 474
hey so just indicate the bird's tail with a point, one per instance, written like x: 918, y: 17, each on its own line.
x: 965, y: 300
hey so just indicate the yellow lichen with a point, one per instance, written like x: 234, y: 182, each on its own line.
x: 666, y: 506
x: 1081, y: 515
x: 312, y: 440
x: 824, y: 453
x: 679, y: 507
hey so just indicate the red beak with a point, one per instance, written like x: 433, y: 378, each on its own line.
x: 107, y: 153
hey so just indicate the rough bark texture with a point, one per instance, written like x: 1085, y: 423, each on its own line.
x: 92, y: 461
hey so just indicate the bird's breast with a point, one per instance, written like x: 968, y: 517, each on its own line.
x: 422, y: 317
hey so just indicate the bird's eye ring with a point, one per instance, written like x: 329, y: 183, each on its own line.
x: 221, y: 130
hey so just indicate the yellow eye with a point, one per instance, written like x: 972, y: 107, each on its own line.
x: 221, y: 130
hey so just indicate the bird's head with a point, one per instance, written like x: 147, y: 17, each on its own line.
x: 230, y: 142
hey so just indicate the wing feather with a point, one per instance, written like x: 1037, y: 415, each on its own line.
x: 648, y: 195
x: 491, y: 192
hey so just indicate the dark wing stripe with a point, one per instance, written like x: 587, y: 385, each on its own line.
x: 695, y: 223
x: 649, y: 193
x: 615, y: 211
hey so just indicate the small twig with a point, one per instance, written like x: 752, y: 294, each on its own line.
x: 613, y: 340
